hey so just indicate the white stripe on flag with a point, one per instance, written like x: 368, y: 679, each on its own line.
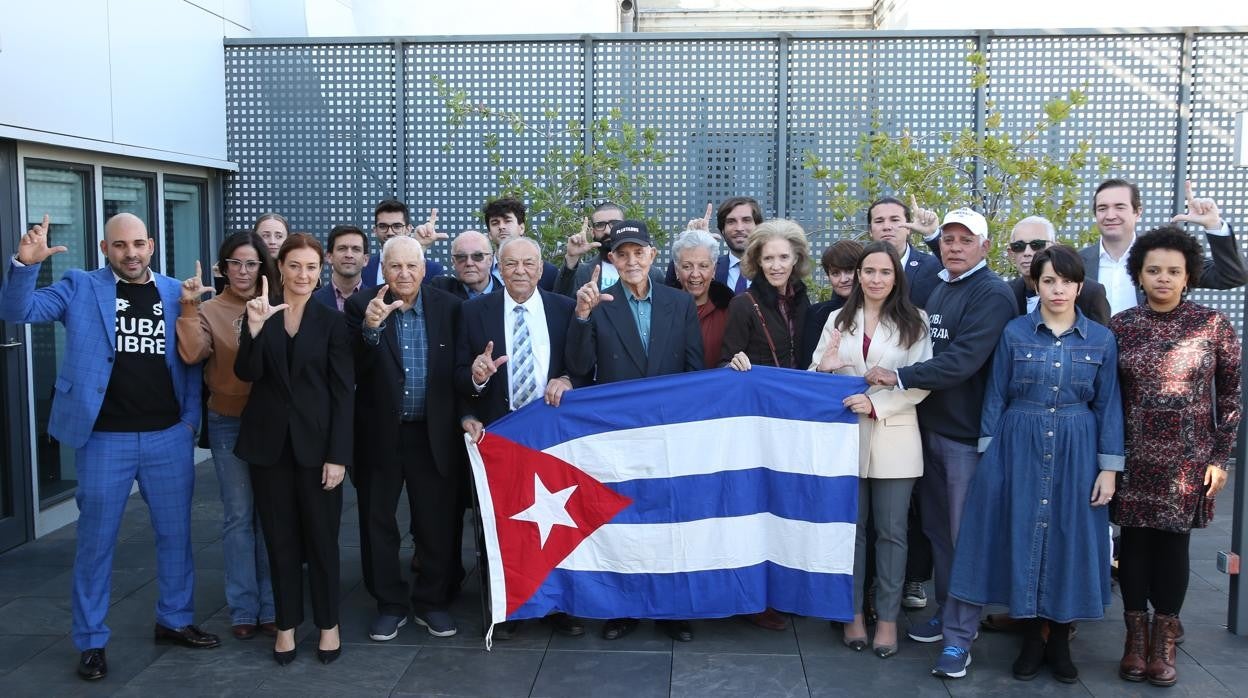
x: 485, y: 500
x: 829, y: 449
x: 711, y: 544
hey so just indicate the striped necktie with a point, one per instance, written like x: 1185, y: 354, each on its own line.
x: 524, y: 383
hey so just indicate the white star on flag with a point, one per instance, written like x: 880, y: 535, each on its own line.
x: 549, y: 509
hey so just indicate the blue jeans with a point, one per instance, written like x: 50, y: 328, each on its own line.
x: 248, y: 587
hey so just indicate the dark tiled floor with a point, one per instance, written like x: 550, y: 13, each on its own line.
x: 727, y: 658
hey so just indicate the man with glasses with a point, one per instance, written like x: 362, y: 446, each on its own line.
x: 1035, y: 233
x: 347, y: 255
x: 471, y: 257
x: 595, y: 235
x: 391, y: 218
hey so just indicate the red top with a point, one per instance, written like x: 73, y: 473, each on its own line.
x: 712, y: 320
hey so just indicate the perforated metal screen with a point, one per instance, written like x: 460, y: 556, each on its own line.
x: 319, y: 130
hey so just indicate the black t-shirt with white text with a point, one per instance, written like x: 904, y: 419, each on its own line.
x: 140, y: 393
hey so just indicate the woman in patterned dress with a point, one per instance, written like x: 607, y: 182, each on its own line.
x: 1179, y: 365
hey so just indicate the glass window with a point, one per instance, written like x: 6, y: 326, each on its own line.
x: 186, y: 225
x: 64, y: 193
x: 132, y: 192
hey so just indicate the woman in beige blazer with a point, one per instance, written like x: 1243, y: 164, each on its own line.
x: 879, y: 326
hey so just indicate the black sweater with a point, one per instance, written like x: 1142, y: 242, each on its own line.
x: 966, y: 318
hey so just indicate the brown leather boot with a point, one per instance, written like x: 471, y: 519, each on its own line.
x: 1161, y: 655
x: 1134, y: 664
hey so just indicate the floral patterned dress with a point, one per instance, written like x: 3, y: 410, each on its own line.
x: 1180, y: 394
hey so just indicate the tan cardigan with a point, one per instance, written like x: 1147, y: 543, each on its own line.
x: 212, y: 335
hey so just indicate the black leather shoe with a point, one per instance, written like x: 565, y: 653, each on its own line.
x: 617, y: 628
x: 328, y: 656
x: 284, y: 658
x: 91, y: 665
x: 187, y: 636
x: 678, y: 630
x: 565, y: 624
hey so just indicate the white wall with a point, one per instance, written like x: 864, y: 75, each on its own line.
x: 1073, y: 14
x: 134, y: 76
x: 438, y: 17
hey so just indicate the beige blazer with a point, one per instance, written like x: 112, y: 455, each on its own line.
x: 888, y: 445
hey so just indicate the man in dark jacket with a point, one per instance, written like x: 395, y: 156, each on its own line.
x: 1031, y: 235
x: 967, y: 313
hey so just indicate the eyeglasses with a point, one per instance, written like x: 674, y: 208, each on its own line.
x: 249, y: 265
x: 1035, y: 245
x: 603, y: 225
x: 392, y: 227
x: 474, y: 256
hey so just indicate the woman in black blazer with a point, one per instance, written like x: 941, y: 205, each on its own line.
x: 296, y: 435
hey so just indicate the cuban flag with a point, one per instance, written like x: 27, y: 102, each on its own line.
x: 697, y: 495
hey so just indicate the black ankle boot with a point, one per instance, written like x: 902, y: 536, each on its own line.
x: 1031, y: 657
x: 1057, y: 653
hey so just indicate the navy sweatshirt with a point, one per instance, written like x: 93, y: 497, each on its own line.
x: 967, y: 317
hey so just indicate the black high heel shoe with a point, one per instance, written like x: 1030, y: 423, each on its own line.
x: 284, y: 658
x: 328, y: 656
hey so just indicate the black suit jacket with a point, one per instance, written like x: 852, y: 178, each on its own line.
x: 608, y: 342
x: 482, y: 323
x: 308, y: 394
x: 1223, y: 270
x: 451, y: 285
x: 1091, y: 299
x: 379, y: 383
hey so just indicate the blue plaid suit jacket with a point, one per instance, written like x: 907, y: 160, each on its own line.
x: 86, y: 303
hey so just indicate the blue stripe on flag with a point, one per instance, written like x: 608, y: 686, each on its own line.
x: 689, y: 595
x: 686, y: 397
x: 739, y: 493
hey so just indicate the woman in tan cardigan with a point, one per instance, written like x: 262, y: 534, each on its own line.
x: 211, y: 335
x: 878, y: 326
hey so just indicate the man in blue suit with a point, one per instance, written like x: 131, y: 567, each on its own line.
x: 129, y: 406
x: 890, y: 220
x: 391, y: 218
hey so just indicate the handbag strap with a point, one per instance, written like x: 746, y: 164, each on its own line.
x: 770, y: 344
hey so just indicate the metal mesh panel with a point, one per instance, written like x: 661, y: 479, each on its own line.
x: 836, y: 87
x: 312, y: 129
x: 1132, y: 85
x: 715, y: 104
x: 522, y: 78
x: 1219, y: 90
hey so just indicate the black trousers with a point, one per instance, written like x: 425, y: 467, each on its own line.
x: 436, y: 503
x: 299, y: 519
x: 918, y: 547
x: 1153, y: 565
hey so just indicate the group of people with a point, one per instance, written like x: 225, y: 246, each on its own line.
x: 1004, y: 426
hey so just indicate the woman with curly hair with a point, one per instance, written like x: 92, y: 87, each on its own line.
x: 1179, y: 365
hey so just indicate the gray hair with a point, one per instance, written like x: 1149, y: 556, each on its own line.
x: 693, y: 239
x: 520, y: 238
x: 1038, y: 220
x: 399, y: 242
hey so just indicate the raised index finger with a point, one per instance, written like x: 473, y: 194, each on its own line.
x: 1191, y: 200
x: 199, y: 272
x: 709, y: 210
x: 264, y: 288
x: 381, y: 292
x: 914, y: 205
x: 593, y: 277
x: 46, y: 222
x: 433, y: 216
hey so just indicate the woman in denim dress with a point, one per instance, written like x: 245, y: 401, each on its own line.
x: 1034, y: 528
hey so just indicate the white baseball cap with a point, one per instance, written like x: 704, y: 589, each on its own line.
x: 971, y: 219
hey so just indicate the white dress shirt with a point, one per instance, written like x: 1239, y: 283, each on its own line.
x: 539, y: 340
x: 1112, y: 273
x: 734, y: 272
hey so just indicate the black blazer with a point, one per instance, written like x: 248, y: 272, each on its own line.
x: 745, y: 332
x: 1222, y: 270
x: 452, y: 285
x: 482, y: 323
x: 308, y: 395
x: 1091, y: 299
x: 921, y: 276
x: 608, y: 342
x: 379, y: 382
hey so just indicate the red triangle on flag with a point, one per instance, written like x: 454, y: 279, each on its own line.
x: 538, y: 520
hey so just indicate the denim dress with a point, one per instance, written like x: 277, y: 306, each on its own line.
x: 1030, y: 538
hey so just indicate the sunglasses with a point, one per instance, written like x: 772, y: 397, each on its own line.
x: 474, y: 256
x: 1036, y: 245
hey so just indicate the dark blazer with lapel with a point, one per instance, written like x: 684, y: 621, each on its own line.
x: 433, y: 270
x: 608, y: 342
x: 325, y: 296
x: 379, y: 382
x: 721, y: 272
x: 451, y: 285
x: 1222, y: 270
x: 1091, y: 299
x: 921, y: 276
x: 482, y: 323
x: 308, y: 395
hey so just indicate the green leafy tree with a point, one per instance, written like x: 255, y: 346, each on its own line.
x: 564, y: 187
x: 1005, y: 176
